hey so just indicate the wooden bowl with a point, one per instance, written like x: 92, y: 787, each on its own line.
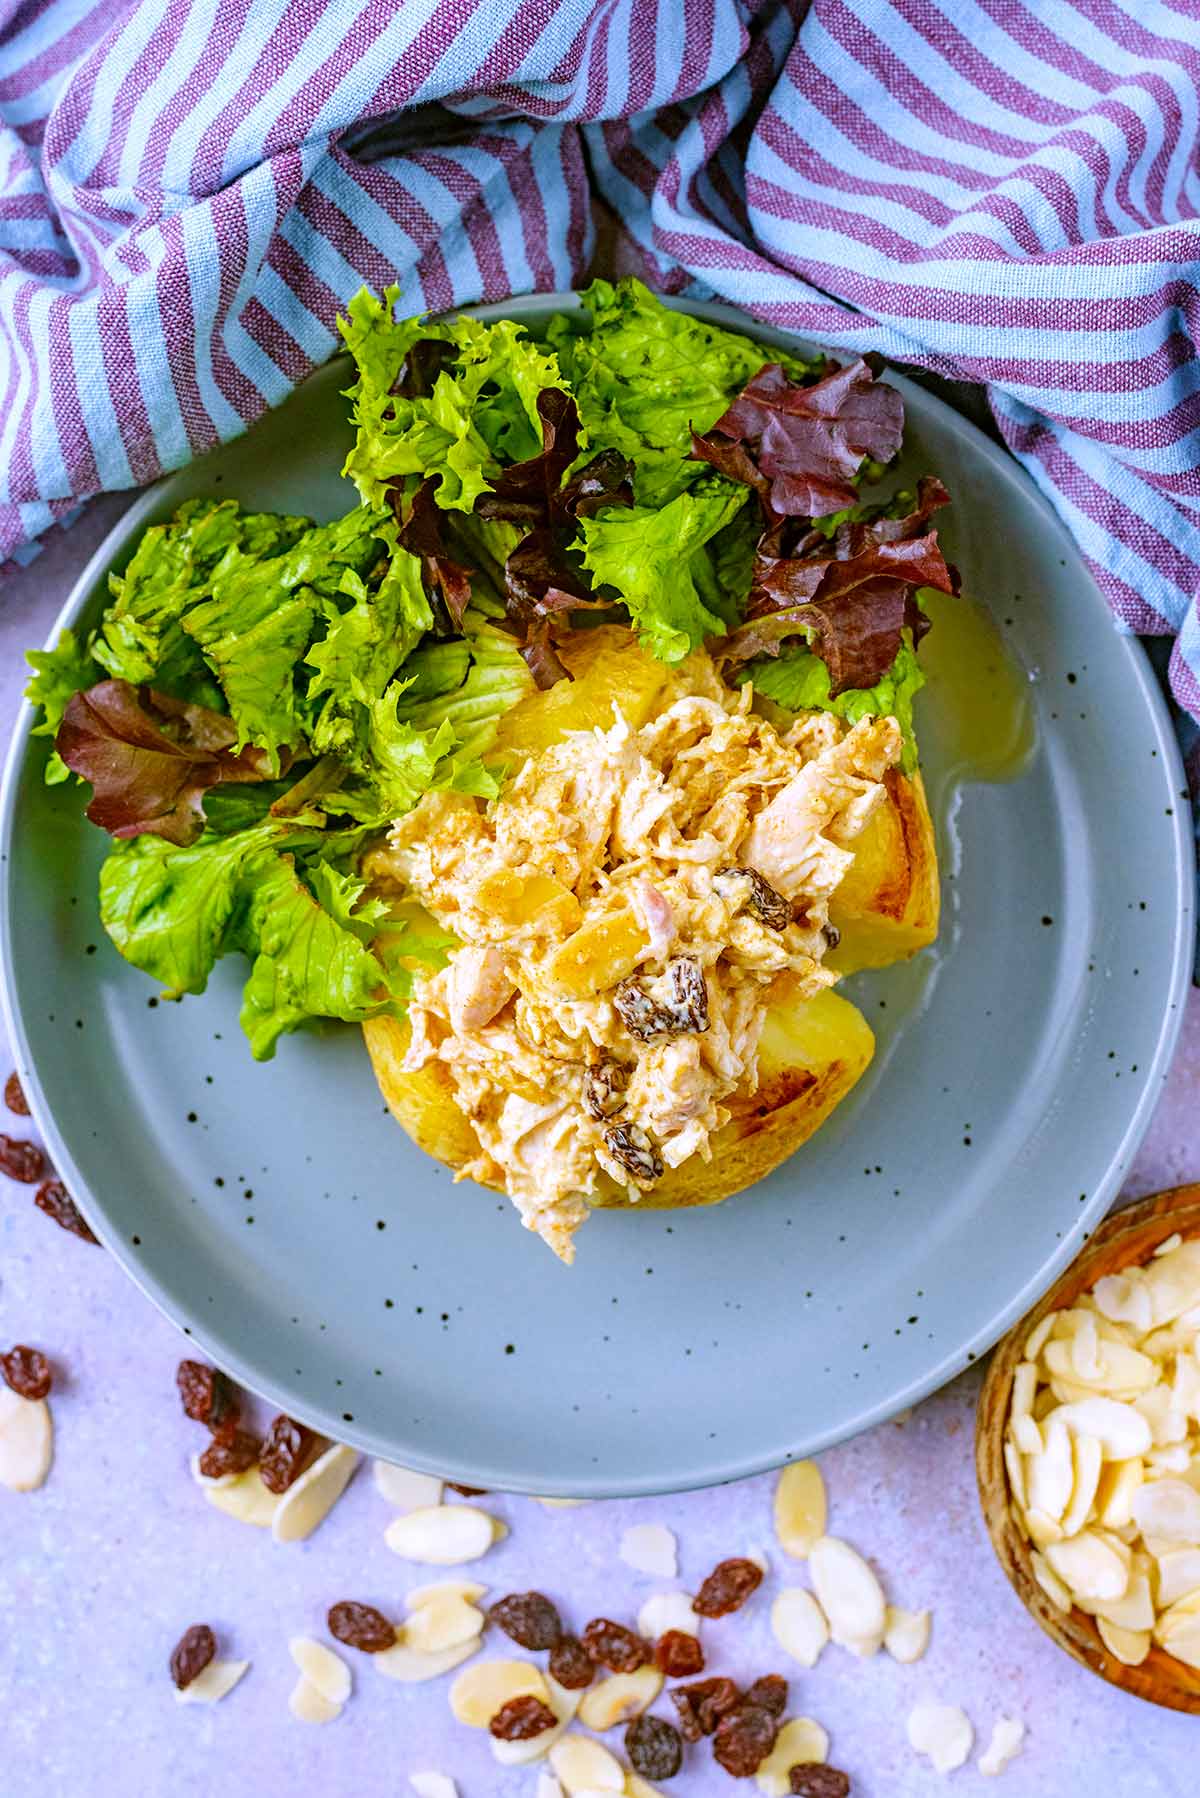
x: 1129, y: 1236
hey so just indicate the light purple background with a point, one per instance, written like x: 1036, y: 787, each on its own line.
x: 102, y: 1569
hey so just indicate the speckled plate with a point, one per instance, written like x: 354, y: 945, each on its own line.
x: 279, y: 1215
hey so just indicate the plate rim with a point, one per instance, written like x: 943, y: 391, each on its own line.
x: 1006, y: 470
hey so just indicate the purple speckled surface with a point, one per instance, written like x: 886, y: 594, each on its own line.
x: 102, y: 1569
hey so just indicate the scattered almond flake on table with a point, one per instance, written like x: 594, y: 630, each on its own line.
x: 307, y: 1705
x: 322, y: 1668
x: 637, y: 1787
x: 799, y: 1743
x: 943, y: 1732
x: 905, y: 1633
x: 760, y: 1557
x: 564, y: 1704
x: 799, y: 1625
x: 583, y: 1765
x: 548, y: 1786
x: 410, y: 1668
x: 26, y: 1441
x: 800, y: 1508
x: 849, y: 1594
x: 243, y: 1497
x: 442, y: 1536
x: 433, y: 1785
x: 665, y: 1611
x: 562, y: 1504
x: 650, y: 1548
x: 212, y: 1683
x: 443, y: 1620
x: 1008, y: 1734
x: 482, y: 1690
x: 309, y: 1500
x: 619, y: 1698
x: 404, y: 1488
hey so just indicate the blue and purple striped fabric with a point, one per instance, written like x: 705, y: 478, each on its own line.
x: 1001, y: 190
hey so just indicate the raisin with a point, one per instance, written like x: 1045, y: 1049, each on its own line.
x: 571, y: 1664
x: 727, y: 1588
x: 745, y: 1736
x: 468, y: 1491
x: 360, y: 1626
x: 702, y: 1705
x: 21, y: 1160
x: 27, y: 1371
x: 678, y: 1655
x: 530, y: 1619
x: 613, y: 1646
x: 208, y: 1397
x: 814, y: 1779
x: 770, y: 1693
x: 654, y: 1747
x: 832, y: 935
x: 676, y: 1004
x: 521, y: 1719
x: 287, y: 1447
x: 14, y: 1096
x: 631, y: 1148
x: 232, y: 1456
x: 756, y: 893
x: 192, y: 1653
x: 604, y: 1089
x: 53, y: 1198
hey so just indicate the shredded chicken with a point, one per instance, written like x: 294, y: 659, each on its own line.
x: 607, y: 953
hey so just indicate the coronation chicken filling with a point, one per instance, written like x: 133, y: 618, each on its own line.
x: 627, y: 909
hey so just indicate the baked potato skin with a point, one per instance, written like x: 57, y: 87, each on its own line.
x: 809, y: 1058
x: 889, y: 904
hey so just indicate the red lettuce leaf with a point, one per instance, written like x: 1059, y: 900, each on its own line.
x: 798, y: 446
x: 420, y: 533
x: 421, y: 367
x: 525, y: 491
x: 851, y: 603
x: 150, y: 759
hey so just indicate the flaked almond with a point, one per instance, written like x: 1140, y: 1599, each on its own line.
x: 562, y: 1504
x: 650, y: 1548
x: 943, y: 1732
x: 1178, y: 1574
x: 1119, y: 1480
x: 321, y: 1668
x: 1168, y: 1509
x: 307, y: 1705
x: 849, y: 1594
x: 906, y: 1633
x: 1135, y: 1607
x: 404, y: 1488
x: 404, y: 1664
x: 1038, y: 1337
x: 309, y: 1500
x: 1086, y: 1458
x: 547, y: 1785
x: 26, y: 1441
x: 1129, y: 1646
x: 800, y: 1508
x: 799, y: 1625
x: 245, y: 1498
x: 617, y: 1699
x: 433, y: 1785
x: 1181, y: 1637
x: 212, y: 1683
x: 1027, y: 1435
x: 468, y: 1590
x: 1124, y: 1299
x: 1051, y: 1585
x: 1092, y: 1566
x: 1168, y: 1424
x: 664, y: 1611
x: 1174, y: 1282
x: 1042, y: 1528
x: 442, y: 1535
x: 1008, y: 1733
x: 1120, y: 1429
x: 1050, y: 1475
x: 799, y: 1743
x: 637, y: 1787
x: 441, y: 1622
x: 482, y: 1690
x: 582, y: 1765
x: 564, y: 1704
x: 1015, y: 1468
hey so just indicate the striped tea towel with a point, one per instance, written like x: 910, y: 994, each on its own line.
x: 1000, y: 190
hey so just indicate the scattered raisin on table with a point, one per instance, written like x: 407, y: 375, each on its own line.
x: 467, y: 1491
x: 702, y: 1705
x: 27, y: 1371
x: 654, y: 1747
x: 770, y: 1693
x: 360, y: 1626
x: 208, y: 1397
x: 284, y: 1453
x: 14, y: 1096
x: 727, y: 1588
x: 528, y: 1618
x: 233, y: 1456
x: 815, y: 1779
x: 53, y: 1198
x: 192, y: 1653
x: 520, y: 1719
x: 571, y: 1664
x: 745, y: 1737
x: 613, y: 1646
x: 21, y: 1160
x: 678, y: 1655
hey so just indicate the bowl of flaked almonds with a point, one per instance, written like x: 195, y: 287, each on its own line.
x: 1088, y: 1453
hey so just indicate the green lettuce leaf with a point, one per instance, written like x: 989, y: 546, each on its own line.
x: 649, y: 555
x: 799, y: 681
x: 498, y: 679
x: 58, y: 674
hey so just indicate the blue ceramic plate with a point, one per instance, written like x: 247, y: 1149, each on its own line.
x: 317, y: 1255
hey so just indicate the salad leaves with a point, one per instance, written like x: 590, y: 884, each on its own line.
x: 264, y: 694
